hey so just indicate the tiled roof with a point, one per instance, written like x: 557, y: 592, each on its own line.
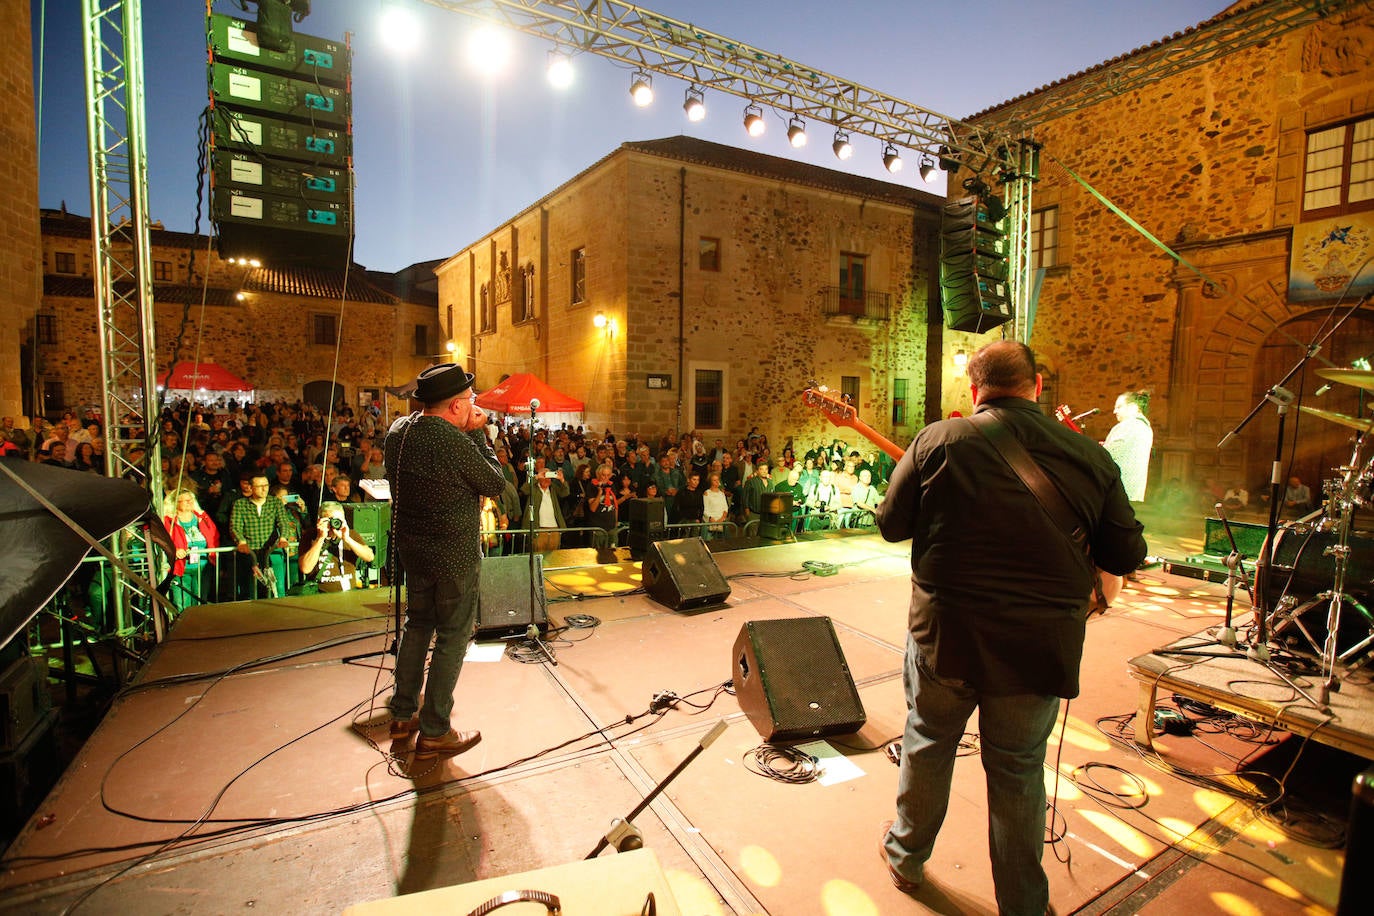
x: 84, y: 288
x: 704, y: 152
x: 317, y: 283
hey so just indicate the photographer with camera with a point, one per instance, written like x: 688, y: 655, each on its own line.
x: 330, y: 562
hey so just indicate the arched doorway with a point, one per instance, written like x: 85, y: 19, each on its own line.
x: 1314, y: 447
x: 323, y: 394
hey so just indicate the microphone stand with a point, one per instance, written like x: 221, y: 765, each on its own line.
x: 623, y: 833
x: 1281, y: 398
x: 536, y: 566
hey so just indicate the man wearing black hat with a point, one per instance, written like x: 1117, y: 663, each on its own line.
x: 439, y: 465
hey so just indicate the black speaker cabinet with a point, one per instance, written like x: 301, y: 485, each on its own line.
x: 504, y: 604
x: 775, y: 516
x: 682, y: 575
x: 648, y: 523
x: 371, y: 522
x: 792, y: 681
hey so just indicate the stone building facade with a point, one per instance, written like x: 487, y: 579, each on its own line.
x: 20, y: 277
x: 1215, y: 161
x: 276, y: 329
x: 681, y: 284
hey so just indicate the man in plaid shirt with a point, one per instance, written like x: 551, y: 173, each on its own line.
x: 255, y: 523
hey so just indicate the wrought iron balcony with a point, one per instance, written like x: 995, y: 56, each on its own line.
x: 868, y: 304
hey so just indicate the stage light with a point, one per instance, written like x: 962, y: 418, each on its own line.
x: 488, y: 50
x: 960, y: 358
x: 240, y: 296
x: 891, y: 161
x: 254, y: 262
x: 560, y: 70
x: 451, y: 346
x: 796, y: 132
x: 599, y: 320
x: 927, y: 168
x: 753, y: 120
x: 947, y: 163
x: 695, y: 105
x: 642, y: 88
x: 997, y: 211
x: 842, y: 147
x: 399, y: 30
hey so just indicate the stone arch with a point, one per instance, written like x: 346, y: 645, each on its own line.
x: 323, y: 393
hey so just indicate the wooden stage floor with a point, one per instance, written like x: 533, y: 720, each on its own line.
x: 242, y: 772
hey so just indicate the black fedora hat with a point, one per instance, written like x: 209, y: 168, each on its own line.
x: 441, y: 382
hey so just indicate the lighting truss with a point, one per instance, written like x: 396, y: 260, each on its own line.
x: 652, y: 41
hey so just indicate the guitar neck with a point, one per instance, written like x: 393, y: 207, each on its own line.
x: 893, y: 451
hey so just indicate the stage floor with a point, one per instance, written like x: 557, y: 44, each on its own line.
x: 242, y: 771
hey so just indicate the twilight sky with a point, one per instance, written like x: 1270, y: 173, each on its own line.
x: 443, y: 155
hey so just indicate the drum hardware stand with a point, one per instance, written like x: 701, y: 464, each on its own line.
x: 1235, y: 573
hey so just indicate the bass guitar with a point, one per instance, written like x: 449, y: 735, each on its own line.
x: 841, y: 413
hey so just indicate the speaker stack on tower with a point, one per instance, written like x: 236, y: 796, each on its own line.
x: 792, y: 681
x: 507, y: 605
x: 683, y: 576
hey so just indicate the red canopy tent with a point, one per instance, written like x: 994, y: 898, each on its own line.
x: 513, y: 395
x: 203, y: 381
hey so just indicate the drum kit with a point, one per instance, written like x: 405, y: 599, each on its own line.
x: 1320, y: 562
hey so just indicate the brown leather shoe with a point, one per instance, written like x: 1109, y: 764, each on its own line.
x: 902, y: 884
x: 404, y: 728
x: 447, y: 745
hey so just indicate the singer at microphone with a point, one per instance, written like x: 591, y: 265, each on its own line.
x: 1130, y: 440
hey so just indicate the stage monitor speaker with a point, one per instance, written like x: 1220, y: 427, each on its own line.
x: 504, y: 603
x: 792, y: 680
x: 682, y: 575
x: 371, y: 522
x: 648, y: 523
x: 775, y: 516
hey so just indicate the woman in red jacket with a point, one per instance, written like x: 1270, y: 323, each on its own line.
x: 194, y: 535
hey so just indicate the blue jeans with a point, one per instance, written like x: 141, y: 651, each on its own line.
x: 445, y: 611
x: 1013, y: 732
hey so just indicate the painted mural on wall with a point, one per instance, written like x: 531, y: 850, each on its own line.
x: 1332, y: 258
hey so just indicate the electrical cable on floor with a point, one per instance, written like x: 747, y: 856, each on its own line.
x: 782, y: 764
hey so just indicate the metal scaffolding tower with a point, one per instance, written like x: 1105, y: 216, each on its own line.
x: 121, y: 261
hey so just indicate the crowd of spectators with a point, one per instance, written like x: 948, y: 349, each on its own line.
x: 243, y: 484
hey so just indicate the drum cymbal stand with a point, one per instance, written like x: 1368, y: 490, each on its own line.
x: 1286, y: 611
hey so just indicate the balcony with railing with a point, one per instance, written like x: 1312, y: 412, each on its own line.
x: 868, y: 305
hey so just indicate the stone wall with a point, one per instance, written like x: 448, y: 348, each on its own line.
x: 20, y: 276
x: 758, y: 319
x: 1210, y: 161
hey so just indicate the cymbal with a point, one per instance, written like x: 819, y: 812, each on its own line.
x: 1363, y: 424
x: 1360, y: 378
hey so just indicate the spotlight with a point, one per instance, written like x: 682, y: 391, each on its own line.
x: 642, y: 88
x: 599, y: 319
x: 947, y: 162
x: 399, y: 30
x: 489, y: 50
x: 927, y: 168
x: 753, y: 120
x: 796, y: 132
x: 891, y: 161
x: 841, y: 146
x: 560, y: 70
x: 695, y: 106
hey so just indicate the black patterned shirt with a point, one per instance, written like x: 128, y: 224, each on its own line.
x: 438, y: 474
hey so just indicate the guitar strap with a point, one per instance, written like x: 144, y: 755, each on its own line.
x: 1046, y: 493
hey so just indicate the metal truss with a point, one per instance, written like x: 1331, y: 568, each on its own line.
x: 660, y: 44
x: 1211, y: 41
x: 121, y: 256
